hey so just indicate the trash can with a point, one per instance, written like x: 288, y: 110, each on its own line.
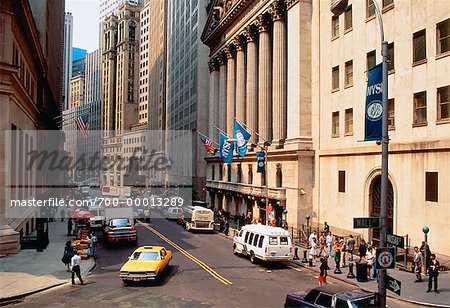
x: 361, y: 271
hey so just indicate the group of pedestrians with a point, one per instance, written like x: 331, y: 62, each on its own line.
x: 431, y: 266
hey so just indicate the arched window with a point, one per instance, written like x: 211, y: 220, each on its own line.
x: 213, y: 172
x: 250, y: 174
x: 239, y: 173
x: 279, y: 176
x: 229, y: 173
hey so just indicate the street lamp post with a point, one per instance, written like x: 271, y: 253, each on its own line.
x: 338, y: 7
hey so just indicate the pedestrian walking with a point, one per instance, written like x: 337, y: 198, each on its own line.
x: 337, y: 257
x: 226, y: 227
x: 426, y: 253
x: 418, y: 262
x: 93, y: 242
x: 351, y: 246
x: 68, y: 254
x: 75, y: 264
x: 322, y: 245
x: 326, y: 227
x: 329, y: 241
x: 433, y: 273
x: 343, y: 252
x: 323, y: 271
x: 69, y: 227
x: 312, y: 236
x: 362, y: 249
x: 313, y: 250
x: 370, y: 260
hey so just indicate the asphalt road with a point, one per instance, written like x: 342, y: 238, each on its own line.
x: 203, y: 273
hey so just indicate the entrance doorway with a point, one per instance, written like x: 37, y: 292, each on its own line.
x: 375, y: 207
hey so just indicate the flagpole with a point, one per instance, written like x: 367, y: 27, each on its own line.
x: 207, y: 137
x: 249, y: 128
x: 221, y: 131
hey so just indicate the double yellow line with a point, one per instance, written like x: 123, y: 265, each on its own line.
x: 202, y: 264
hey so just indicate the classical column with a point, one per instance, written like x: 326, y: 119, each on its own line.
x: 213, y: 117
x: 264, y: 81
x: 222, y: 93
x: 240, y: 80
x: 252, y: 83
x: 279, y: 74
x: 231, y: 89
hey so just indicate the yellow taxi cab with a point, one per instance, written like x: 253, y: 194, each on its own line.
x: 146, y: 263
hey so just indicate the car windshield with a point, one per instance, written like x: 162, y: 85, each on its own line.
x: 364, y: 303
x: 120, y: 223
x: 145, y: 255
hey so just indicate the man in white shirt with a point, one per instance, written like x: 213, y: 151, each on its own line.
x: 75, y: 265
x: 311, y: 237
x: 329, y: 241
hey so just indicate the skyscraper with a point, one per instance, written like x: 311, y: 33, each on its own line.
x: 67, y: 60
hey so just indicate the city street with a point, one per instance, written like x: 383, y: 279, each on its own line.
x: 198, y: 276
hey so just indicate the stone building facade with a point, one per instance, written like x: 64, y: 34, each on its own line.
x: 257, y: 49
x: 347, y: 170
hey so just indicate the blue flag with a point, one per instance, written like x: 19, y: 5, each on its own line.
x: 374, y: 105
x: 242, y: 137
x: 225, y: 149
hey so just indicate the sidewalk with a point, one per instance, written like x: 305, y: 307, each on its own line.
x: 30, y: 271
x: 410, y: 291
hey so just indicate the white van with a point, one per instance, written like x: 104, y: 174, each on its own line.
x: 264, y: 243
x: 173, y: 213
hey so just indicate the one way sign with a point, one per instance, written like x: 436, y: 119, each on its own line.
x: 394, y: 285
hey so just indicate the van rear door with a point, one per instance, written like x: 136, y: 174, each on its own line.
x: 279, y: 246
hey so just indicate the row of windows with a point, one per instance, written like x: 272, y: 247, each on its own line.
x: 278, y: 177
x: 431, y: 185
x: 420, y: 117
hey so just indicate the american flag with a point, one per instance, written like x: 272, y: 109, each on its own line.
x: 83, y: 124
x: 208, y: 144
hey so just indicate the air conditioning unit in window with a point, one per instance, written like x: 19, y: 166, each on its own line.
x: 338, y: 6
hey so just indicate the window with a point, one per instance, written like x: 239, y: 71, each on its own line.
x: 335, y: 78
x: 419, y: 46
x: 279, y: 177
x: 335, y: 124
x: 324, y: 300
x: 443, y: 36
x: 221, y: 172
x: 250, y: 174
x: 391, y: 114
x: 443, y: 100
x: 387, y: 3
x: 370, y: 9
x: 349, y: 73
x: 349, y: 121
x: 283, y: 240
x: 213, y: 172
x: 341, y: 181
x: 420, y: 107
x: 255, y: 241
x: 334, y: 27
x: 273, y: 240
x: 391, y: 57
x: 261, y: 239
x: 371, y: 60
x: 431, y: 186
x: 348, y: 22
x: 246, y: 237
x: 251, y: 238
x: 239, y: 173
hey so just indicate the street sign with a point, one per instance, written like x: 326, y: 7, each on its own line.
x: 393, y: 285
x: 395, y: 240
x: 366, y: 222
x: 385, y: 257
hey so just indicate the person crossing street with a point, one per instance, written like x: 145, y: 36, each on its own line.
x: 75, y: 266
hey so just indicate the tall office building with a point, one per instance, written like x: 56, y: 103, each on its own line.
x: 67, y: 59
x: 188, y: 79
x: 78, y: 61
x: 76, y: 91
x: 120, y: 62
x: 152, y: 69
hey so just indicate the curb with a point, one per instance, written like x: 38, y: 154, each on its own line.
x: 390, y: 296
x: 7, y: 300
x: 225, y: 236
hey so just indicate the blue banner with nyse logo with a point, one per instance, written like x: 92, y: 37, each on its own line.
x: 374, y: 105
x: 225, y: 149
x: 242, y: 137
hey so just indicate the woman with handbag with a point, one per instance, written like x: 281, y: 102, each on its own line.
x: 68, y: 254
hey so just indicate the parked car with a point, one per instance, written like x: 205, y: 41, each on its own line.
x: 172, y: 213
x: 333, y: 296
x: 264, y: 243
x: 146, y: 263
x: 120, y: 230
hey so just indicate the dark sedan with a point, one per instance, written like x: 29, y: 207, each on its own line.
x: 334, y: 296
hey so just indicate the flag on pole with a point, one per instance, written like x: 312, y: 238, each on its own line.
x: 225, y: 149
x: 83, y: 124
x: 242, y: 137
x: 374, y: 105
x: 208, y: 144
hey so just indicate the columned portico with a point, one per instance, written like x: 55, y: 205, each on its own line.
x: 230, y: 89
x: 222, y: 92
x: 251, y: 82
x: 213, y: 117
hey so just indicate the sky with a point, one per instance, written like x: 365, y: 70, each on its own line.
x: 85, y: 23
